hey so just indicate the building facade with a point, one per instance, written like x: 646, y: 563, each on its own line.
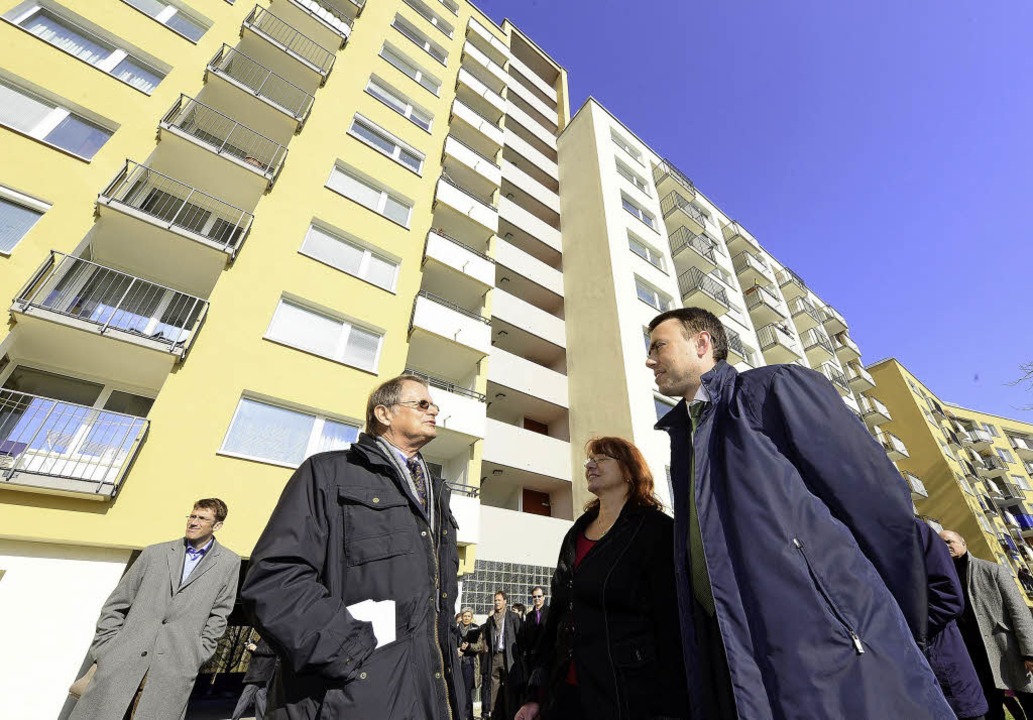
x: 973, y: 471
x: 223, y: 224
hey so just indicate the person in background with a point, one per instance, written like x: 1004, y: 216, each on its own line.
x: 470, y: 646
x: 519, y: 609
x: 534, y: 626
x: 500, y: 667
x: 610, y: 649
x: 260, y: 671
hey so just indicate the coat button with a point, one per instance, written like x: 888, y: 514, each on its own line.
x: 362, y: 676
x: 444, y: 595
x: 437, y: 676
x: 376, y: 500
x: 444, y: 532
x: 143, y: 654
x: 423, y: 534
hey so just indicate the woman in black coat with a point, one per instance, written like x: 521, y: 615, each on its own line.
x: 611, y: 649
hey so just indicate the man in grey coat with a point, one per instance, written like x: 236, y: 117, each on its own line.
x: 996, y: 626
x: 161, y: 623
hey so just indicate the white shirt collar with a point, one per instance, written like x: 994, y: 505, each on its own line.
x: 701, y: 395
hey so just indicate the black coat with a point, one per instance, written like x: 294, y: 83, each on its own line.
x: 262, y: 665
x: 616, y: 615
x: 346, y: 529
x: 531, y: 635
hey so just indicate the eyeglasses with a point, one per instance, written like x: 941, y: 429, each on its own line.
x: 537, y: 597
x: 423, y: 405
x: 598, y: 460
x: 200, y: 518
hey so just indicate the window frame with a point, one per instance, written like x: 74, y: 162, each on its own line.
x: 368, y: 253
x: 347, y: 324
x: 624, y: 145
x: 171, y: 10
x: 425, y: 12
x: 413, y: 34
x: 400, y: 146
x: 411, y: 108
x: 632, y: 177
x: 13, y: 197
x: 372, y: 185
x: 638, y: 212
x: 659, y: 263
x: 658, y: 294
x: 400, y: 62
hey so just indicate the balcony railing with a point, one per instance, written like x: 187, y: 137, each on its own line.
x: 694, y: 279
x: 469, y: 193
x: 447, y: 385
x: 466, y: 490
x: 748, y: 261
x: 289, y: 37
x: 815, y: 338
x: 787, y: 277
x: 226, y: 136
x: 871, y: 405
x: 476, y: 152
x: 856, y: 371
x: 916, y: 485
x: 666, y: 169
x: 460, y: 243
x: 451, y: 306
x: 261, y: 81
x: 760, y: 295
x: 774, y: 334
x: 675, y: 201
x: 175, y: 204
x: 800, y: 305
x: 735, y: 343
x: 891, y: 443
x: 328, y: 16
x: 993, y: 462
x: 846, y: 341
x: 47, y: 437
x: 835, y: 376
x: 110, y: 301
x: 683, y: 238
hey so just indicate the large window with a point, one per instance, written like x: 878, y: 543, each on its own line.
x: 410, y: 69
x: 631, y: 176
x: 398, y: 102
x: 171, y: 17
x: 369, y: 195
x: 644, y: 251
x: 624, y: 145
x: 32, y: 115
x: 268, y: 432
x: 349, y: 257
x: 651, y: 296
x: 380, y: 139
x: 632, y: 207
x: 17, y: 216
x: 66, y: 32
x: 306, y: 329
x: 425, y: 43
x: 430, y: 16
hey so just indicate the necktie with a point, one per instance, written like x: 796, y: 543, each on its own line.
x: 537, y: 617
x: 419, y: 479
x: 697, y: 563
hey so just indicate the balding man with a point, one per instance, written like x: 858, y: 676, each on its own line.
x: 996, y: 626
x: 369, y: 523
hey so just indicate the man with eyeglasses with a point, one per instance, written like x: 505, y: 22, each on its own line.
x: 162, y: 623
x: 354, y: 579
x: 800, y: 575
x: 533, y: 627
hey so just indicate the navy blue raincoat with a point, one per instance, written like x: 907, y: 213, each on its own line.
x: 814, y: 559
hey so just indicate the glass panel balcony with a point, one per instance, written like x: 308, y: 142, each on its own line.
x: 700, y: 290
x: 677, y: 210
x: 777, y: 344
x: 281, y: 34
x: 691, y: 250
x: 64, y: 447
x: 256, y: 79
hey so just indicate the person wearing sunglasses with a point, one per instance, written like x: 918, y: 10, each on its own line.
x: 611, y: 648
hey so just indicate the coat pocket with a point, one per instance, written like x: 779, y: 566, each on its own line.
x: 382, y: 689
x: 827, y: 600
x: 375, y: 524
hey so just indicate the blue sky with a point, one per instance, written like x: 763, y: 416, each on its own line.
x: 881, y: 149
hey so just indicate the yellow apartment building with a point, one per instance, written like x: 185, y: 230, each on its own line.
x: 970, y: 471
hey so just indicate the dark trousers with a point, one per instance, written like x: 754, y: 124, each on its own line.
x: 253, y: 694
x: 469, y: 681
x: 995, y: 699
x: 714, y: 678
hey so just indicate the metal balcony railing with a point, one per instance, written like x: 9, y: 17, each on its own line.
x: 488, y: 121
x: 469, y: 193
x: 675, y: 201
x: 746, y: 259
x: 992, y: 462
x: 261, y: 81
x: 800, y: 305
x: 760, y: 295
x: 226, y: 136
x: 683, y: 238
x: 451, y: 306
x: 666, y: 169
x: 292, y: 39
x: 447, y: 385
x: 111, y: 300
x: 856, y: 371
x: 735, y: 343
x: 694, y: 279
x: 835, y: 376
x: 916, y: 485
x: 467, y: 490
x: 774, y: 334
x: 787, y: 276
x: 175, y: 204
x: 816, y: 338
x: 460, y: 243
x: 48, y: 437
x: 832, y: 314
x: 326, y: 14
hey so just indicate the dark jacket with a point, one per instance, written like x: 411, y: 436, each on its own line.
x: 514, y: 666
x: 946, y: 652
x: 347, y: 529
x: 262, y: 665
x: 616, y: 616
x: 531, y: 635
x: 811, y: 548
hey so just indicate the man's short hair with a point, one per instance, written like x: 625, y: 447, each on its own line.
x: 503, y: 594
x: 216, y: 505
x: 696, y: 320
x: 537, y: 587
x: 387, y: 394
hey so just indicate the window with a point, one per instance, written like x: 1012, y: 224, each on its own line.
x: 399, y: 61
x: 651, y: 296
x: 171, y: 17
x: 626, y: 147
x: 645, y: 339
x: 452, y: 6
x: 381, y: 140
x: 365, y: 193
x: 430, y: 16
x: 628, y: 174
x: 17, y: 216
x: 638, y: 212
x: 1021, y: 482
x: 263, y: 431
x: 306, y: 329
x: 645, y: 252
x: 48, y: 122
x: 429, y: 46
x: 71, y: 37
x: 1005, y: 455
x: 661, y: 406
x: 399, y: 103
x: 349, y: 257
x: 992, y: 429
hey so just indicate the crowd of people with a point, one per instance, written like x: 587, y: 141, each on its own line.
x: 793, y: 580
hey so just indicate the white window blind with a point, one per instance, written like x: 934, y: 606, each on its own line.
x: 410, y: 69
x: 264, y: 431
x: 307, y: 329
x: 398, y: 102
x: 41, y: 119
x: 15, y: 221
x: 374, y: 198
x: 349, y: 257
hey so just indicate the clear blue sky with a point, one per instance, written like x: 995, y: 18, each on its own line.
x: 882, y: 149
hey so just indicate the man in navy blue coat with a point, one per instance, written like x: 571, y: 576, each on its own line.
x: 801, y: 581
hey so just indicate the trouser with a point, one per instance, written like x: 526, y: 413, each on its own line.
x: 995, y: 699
x: 469, y: 681
x: 715, y: 679
x: 497, y: 678
x: 131, y: 710
x: 254, y: 693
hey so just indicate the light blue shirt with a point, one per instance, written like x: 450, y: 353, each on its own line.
x: 193, y: 558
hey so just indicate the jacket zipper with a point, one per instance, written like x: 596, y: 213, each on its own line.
x: 437, y: 591
x: 854, y: 638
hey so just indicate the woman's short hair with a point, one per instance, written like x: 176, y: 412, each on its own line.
x: 641, y: 489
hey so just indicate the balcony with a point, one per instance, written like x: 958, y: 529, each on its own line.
x: 837, y: 378
x: 817, y: 346
x: 791, y: 284
x: 487, y: 70
x: 752, y: 270
x: 736, y: 350
x: 977, y: 439
x: 537, y: 193
x: 452, y: 199
x: 534, y: 80
x: 445, y: 338
x: 668, y: 178
x: 511, y: 446
x: 475, y: 94
x: 1025, y: 523
x: 764, y: 306
x: 917, y: 486
x: 541, y: 132
x: 691, y: 250
x: 530, y: 224
x: 805, y: 315
x: 1005, y: 494
x: 546, y: 111
x: 461, y: 411
x: 512, y: 371
x: 56, y: 447
x: 319, y: 19
x: 542, y: 164
x: 470, y: 169
x: 455, y: 270
x: 487, y: 42
x: 679, y: 211
x: 509, y: 257
x: 256, y: 80
x: 474, y: 129
x: 1023, y: 446
x: 777, y: 344
x: 860, y: 379
x: 873, y: 412
x: 892, y: 445
x: 203, y: 133
x: 466, y: 508
x: 283, y: 36
x: 738, y: 240
x: 83, y: 295
x: 511, y: 309
x: 953, y: 439
x: 846, y: 349
x: 700, y: 290
x: 991, y: 467
x: 834, y: 322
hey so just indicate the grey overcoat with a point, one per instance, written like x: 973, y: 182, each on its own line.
x: 1004, y: 622
x: 152, y: 625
